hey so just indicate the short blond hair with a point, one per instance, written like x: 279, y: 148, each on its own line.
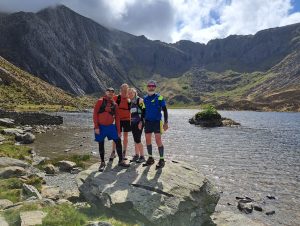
x: 124, y: 85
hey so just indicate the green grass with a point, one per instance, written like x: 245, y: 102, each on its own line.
x: 11, y: 188
x: 208, y: 112
x: 8, y: 149
x: 64, y: 215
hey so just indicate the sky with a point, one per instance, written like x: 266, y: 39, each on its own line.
x: 174, y: 20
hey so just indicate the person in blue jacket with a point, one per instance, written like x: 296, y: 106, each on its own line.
x: 154, y: 105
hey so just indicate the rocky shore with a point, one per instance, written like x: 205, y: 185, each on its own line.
x: 32, y: 188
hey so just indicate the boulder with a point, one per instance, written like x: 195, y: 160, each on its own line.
x: 27, y: 138
x: 63, y: 201
x: 32, y: 217
x: 11, y: 131
x: 246, y: 207
x: 5, y: 203
x: 50, y: 192
x: 6, y: 161
x: 30, y: 190
x: 12, y: 171
x: 227, y: 218
x: 99, y: 223
x: 175, y: 195
x: 214, y: 122
x: 66, y: 166
x: 50, y: 169
x: 7, y: 122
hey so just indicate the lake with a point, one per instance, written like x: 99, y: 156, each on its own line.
x: 259, y: 158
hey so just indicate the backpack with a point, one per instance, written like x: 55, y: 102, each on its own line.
x: 119, y: 101
x: 103, y: 107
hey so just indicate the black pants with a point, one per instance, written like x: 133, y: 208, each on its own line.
x: 136, y: 132
x: 118, y: 147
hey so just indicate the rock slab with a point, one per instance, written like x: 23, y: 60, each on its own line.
x: 175, y: 195
x: 29, y: 218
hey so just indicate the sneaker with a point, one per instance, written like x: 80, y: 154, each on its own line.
x: 134, y: 158
x: 124, y: 164
x: 102, y: 167
x: 149, y: 162
x: 160, y: 164
x: 141, y: 159
x: 112, y: 156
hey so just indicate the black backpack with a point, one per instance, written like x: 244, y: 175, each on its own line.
x: 103, y: 107
x: 119, y: 101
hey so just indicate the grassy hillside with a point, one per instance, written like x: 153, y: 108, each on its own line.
x: 20, y: 90
x: 277, y: 89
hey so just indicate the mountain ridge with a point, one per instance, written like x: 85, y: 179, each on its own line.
x: 81, y: 56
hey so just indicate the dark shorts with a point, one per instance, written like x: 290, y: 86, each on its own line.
x: 136, y: 132
x: 125, y: 126
x: 107, y: 131
x: 153, y: 127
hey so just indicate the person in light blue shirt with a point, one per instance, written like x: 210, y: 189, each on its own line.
x: 154, y: 105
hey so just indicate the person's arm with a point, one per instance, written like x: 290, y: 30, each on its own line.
x: 165, y: 110
x: 143, y: 109
x: 95, y: 114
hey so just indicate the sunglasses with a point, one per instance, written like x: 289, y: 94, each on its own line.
x: 111, y: 91
x: 151, y: 86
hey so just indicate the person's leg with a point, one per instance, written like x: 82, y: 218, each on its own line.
x: 101, y: 152
x: 125, y: 143
x: 149, y: 143
x: 120, y: 153
x: 160, y: 146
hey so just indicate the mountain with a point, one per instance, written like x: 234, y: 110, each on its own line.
x: 21, y: 90
x: 83, y: 57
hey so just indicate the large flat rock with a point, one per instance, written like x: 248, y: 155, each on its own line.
x: 175, y: 195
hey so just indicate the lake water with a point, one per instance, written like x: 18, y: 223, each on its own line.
x: 259, y: 158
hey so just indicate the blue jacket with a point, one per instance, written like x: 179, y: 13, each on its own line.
x: 153, y: 107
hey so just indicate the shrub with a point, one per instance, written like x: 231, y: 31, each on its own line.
x: 209, y: 112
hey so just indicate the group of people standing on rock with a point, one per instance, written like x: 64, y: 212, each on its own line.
x: 127, y: 112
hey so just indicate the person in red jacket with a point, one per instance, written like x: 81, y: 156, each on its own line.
x: 106, y: 112
x: 123, y: 103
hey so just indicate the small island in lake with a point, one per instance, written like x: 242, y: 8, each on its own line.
x: 210, y: 117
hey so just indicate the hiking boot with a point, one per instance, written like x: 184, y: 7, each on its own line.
x: 112, y: 156
x: 149, y: 162
x: 134, y: 158
x: 102, y: 167
x: 141, y: 159
x: 124, y: 164
x: 160, y: 164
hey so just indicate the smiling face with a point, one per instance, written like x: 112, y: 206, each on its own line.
x: 151, y: 89
x: 124, y: 90
x: 131, y: 94
x: 110, y: 94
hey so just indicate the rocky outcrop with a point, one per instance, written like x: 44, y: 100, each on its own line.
x: 31, y: 118
x: 66, y: 166
x: 29, y: 191
x: 12, y: 171
x: 6, y: 161
x: 29, y: 218
x: 7, y: 122
x: 5, y: 203
x: 95, y: 55
x: 175, y: 195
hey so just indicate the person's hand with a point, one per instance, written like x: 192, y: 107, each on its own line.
x: 165, y: 126
x: 97, y: 131
x: 140, y: 126
x: 120, y: 135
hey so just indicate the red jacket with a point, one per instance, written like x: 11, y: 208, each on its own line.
x: 106, y: 118
x: 124, y: 110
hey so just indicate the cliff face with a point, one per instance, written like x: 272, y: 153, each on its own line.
x: 81, y: 56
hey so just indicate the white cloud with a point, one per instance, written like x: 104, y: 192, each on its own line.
x: 173, y: 20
